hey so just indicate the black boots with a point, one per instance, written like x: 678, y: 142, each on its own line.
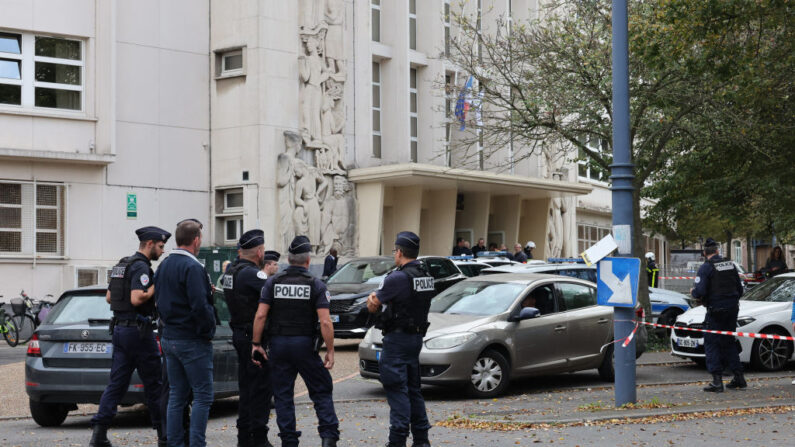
x: 329, y: 442
x: 99, y: 438
x: 738, y: 382
x: 716, y: 386
x: 258, y: 439
x: 161, y: 437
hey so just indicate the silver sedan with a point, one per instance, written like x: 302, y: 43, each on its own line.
x: 489, y: 329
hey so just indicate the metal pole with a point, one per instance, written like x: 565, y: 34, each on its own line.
x: 622, y: 177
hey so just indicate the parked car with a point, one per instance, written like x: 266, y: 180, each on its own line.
x: 495, y: 258
x: 470, y: 267
x: 352, y: 283
x: 766, y: 309
x: 480, y: 334
x: 69, y: 357
x: 666, y: 305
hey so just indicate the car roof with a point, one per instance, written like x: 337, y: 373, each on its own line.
x: 525, y: 278
x: 469, y: 262
x: 369, y: 258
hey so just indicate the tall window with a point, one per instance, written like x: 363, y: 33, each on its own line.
x: 375, y: 19
x: 41, y: 71
x: 413, y: 112
x: 738, y: 251
x: 587, y: 169
x: 376, y: 110
x: 587, y: 235
x: 446, y: 28
x: 413, y: 24
x: 449, y: 91
x: 479, y: 30
x: 31, y: 219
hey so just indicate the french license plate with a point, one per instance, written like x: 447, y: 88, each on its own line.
x: 87, y: 348
x: 687, y: 342
x: 335, y: 318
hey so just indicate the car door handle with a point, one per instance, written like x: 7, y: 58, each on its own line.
x: 602, y: 321
x: 560, y: 328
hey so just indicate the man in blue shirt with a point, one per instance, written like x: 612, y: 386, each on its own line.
x: 719, y: 287
x: 184, y: 301
x: 294, y: 302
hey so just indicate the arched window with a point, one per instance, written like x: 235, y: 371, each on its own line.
x: 737, y: 254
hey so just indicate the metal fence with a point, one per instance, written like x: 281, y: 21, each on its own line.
x: 676, y: 279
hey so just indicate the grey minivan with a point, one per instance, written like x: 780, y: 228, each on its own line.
x: 489, y: 329
x: 69, y: 357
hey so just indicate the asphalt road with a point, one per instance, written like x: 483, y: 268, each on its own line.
x: 363, y: 412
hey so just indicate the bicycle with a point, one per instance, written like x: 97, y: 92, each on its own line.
x: 26, y: 315
x: 7, y: 327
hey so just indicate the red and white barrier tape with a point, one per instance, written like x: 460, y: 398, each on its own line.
x: 676, y: 277
x: 711, y: 331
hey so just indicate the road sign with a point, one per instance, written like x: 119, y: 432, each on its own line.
x: 132, y: 205
x: 617, y: 283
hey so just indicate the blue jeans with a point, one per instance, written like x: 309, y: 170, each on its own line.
x: 399, y: 368
x: 290, y: 356
x: 190, y: 368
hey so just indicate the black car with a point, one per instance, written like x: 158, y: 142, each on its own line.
x: 352, y: 283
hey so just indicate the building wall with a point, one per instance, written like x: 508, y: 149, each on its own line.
x: 143, y: 128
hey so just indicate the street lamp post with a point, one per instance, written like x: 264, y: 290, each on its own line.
x: 622, y: 176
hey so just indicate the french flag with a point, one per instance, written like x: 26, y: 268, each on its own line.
x: 463, y: 103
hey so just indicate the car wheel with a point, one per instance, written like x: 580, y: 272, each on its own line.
x: 770, y: 355
x: 667, y: 318
x: 490, y: 375
x: 607, y: 371
x: 48, y: 414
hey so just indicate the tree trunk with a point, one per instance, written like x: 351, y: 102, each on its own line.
x: 728, y: 245
x: 749, y: 265
x: 638, y: 250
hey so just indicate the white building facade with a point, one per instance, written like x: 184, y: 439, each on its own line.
x: 101, y: 103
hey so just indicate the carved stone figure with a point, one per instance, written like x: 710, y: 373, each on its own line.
x: 334, y: 17
x: 285, y: 182
x: 313, y: 72
x: 569, y: 225
x: 310, y: 185
x: 310, y: 13
x: 332, y: 123
x: 555, y: 228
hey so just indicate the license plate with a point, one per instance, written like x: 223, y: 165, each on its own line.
x: 87, y: 348
x: 687, y: 343
x: 335, y: 318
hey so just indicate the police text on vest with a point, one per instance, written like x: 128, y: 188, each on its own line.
x: 291, y: 292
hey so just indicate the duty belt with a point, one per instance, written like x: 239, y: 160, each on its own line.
x: 406, y: 330
x: 127, y: 323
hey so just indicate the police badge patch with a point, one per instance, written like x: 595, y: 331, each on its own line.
x: 145, y: 279
x: 698, y: 279
x: 261, y: 275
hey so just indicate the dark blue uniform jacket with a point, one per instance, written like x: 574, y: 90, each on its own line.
x: 183, y: 297
x: 321, y: 295
x: 702, y: 289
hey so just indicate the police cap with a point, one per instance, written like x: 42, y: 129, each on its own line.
x: 300, y: 245
x: 271, y: 255
x: 152, y: 234
x: 710, y: 243
x: 251, y: 239
x: 407, y: 239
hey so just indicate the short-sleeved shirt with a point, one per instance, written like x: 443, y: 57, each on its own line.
x: 396, y: 286
x: 319, y: 292
x: 140, y: 278
x: 250, y: 279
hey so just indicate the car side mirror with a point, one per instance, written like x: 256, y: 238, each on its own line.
x: 526, y: 313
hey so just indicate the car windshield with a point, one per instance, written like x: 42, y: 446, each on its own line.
x: 360, y: 272
x: 774, y: 290
x: 79, y: 309
x: 477, y: 298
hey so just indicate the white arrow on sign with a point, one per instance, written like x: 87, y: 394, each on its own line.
x: 622, y: 289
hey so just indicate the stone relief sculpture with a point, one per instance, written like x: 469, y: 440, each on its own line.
x: 315, y: 197
x: 556, y: 237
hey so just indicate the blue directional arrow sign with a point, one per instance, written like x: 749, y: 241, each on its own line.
x: 617, y: 283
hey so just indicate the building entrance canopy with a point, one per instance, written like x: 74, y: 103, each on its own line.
x: 440, y: 203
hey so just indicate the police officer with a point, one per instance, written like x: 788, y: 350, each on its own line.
x: 406, y: 292
x: 242, y: 283
x: 134, y: 347
x: 651, y: 270
x: 271, y: 266
x: 296, y: 302
x: 719, y: 288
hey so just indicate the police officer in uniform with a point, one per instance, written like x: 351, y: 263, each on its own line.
x: 242, y: 283
x: 130, y: 295
x: 271, y: 266
x: 719, y: 288
x: 406, y: 293
x: 294, y: 302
